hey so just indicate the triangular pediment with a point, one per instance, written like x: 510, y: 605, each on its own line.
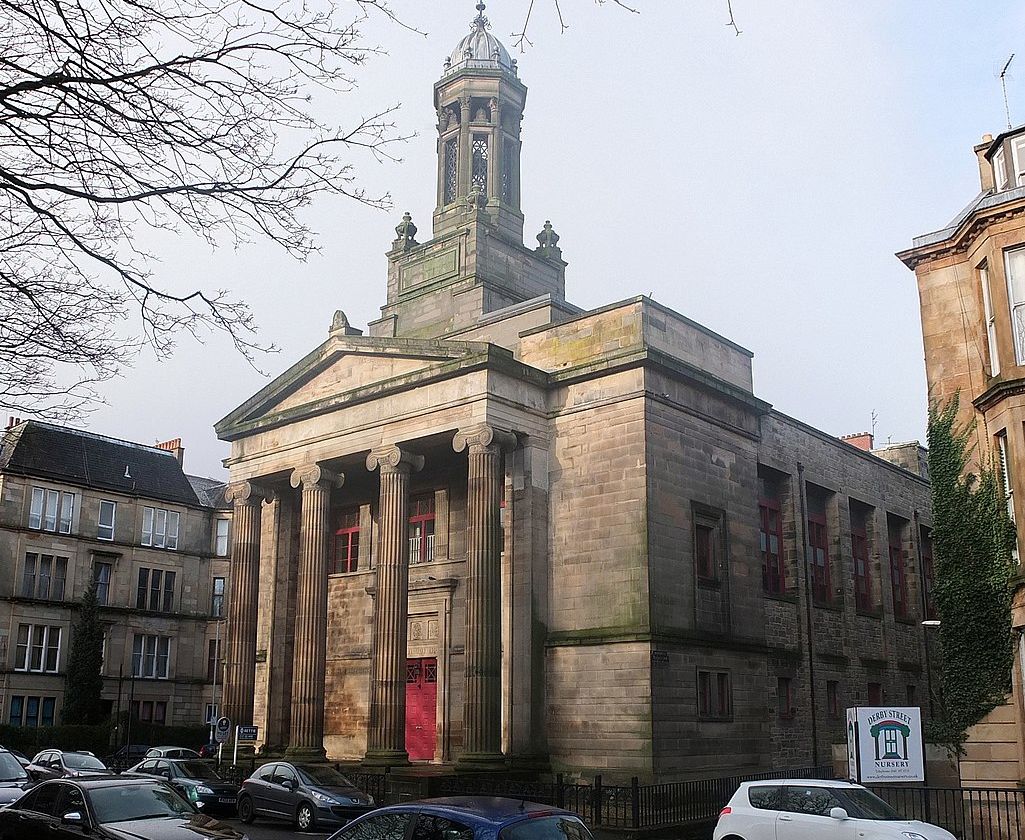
x: 349, y: 368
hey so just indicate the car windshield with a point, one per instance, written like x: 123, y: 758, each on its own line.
x: 120, y: 803
x: 554, y: 827
x: 197, y: 770
x: 865, y: 805
x: 11, y: 769
x: 323, y: 776
x: 81, y: 761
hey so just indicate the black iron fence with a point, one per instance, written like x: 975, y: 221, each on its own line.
x: 970, y: 813
x: 622, y: 806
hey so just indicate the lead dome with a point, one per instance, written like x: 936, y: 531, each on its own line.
x: 480, y: 48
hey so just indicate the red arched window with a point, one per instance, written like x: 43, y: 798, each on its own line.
x: 421, y: 529
x: 345, y: 554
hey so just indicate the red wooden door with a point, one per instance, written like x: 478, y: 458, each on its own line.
x: 421, y: 708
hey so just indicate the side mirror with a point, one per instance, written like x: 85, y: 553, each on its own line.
x: 290, y: 784
x: 73, y: 818
x: 838, y: 813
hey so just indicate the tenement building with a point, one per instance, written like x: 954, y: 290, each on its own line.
x: 498, y: 530
x: 79, y: 509
x: 971, y: 285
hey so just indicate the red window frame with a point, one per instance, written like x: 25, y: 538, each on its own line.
x: 345, y: 546
x: 818, y: 541
x: 862, y: 570
x: 929, y: 580
x: 833, y: 698
x: 785, y: 697
x: 705, y: 551
x: 421, y: 527
x: 898, y: 582
x: 774, y: 579
x: 704, y: 694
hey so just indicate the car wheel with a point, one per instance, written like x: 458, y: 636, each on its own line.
x: 305, y: 818
x: 245, y: 809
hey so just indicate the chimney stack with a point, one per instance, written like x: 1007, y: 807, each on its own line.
x: 12, y: 422
x: 175, y: 447
x: 862, y: 440
x: 986, y: 179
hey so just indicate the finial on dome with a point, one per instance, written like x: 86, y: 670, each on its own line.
x: 480, y: 23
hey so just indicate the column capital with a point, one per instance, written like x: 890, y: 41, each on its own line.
x: 394, y: 458
x: 311, y: 474
x: 484, y: 436
x: 245, y: 491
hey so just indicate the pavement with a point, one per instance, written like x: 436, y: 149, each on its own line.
x: 274, y: 830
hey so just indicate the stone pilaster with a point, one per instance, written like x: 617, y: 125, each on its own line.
x: 243, y: 599
x: 307, y: 713
x: 386, y: 740
x: 482, y: 711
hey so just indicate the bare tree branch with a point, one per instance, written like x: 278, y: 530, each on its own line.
x: 188, y: 116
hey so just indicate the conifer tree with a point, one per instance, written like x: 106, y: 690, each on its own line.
x: 973, y: 541
x: 83, y: 680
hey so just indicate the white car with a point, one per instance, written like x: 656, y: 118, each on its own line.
x: 799, y: 809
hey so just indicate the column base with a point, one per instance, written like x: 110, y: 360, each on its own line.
x: 475, y: 762
x: 313, y: 754
x: 386, y: 758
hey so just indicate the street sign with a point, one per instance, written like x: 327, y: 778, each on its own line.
x: 248, y: 733
x: 222, y: 730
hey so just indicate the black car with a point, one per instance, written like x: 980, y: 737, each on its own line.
x: 14, y: 780
x: 111, y: 808
x: 196, y: 780
x: 60, y: 764
x: 306, y: 795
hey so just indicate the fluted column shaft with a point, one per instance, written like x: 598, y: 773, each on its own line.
x: 243, y: 596
x: 482, y: 711
x: 386, y: 739
x: 306, y: 736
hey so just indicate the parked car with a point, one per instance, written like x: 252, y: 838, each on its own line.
x: 127, y: 755
x: 171, y: 752
x: 307, y: 795
x: 20, y: 756
x: 467, y: 818
x: 196, y: 780
x: 60, y: 764
x: 14, y: 780
x: 111, y: 808
x: 816, y: 810
x: 209, y: 749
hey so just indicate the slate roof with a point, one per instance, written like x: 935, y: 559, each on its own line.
x: 210, y: 491
x: 59, y: 454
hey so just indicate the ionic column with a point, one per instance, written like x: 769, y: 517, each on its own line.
x: 482, y: 711
x: 240, y: 637
x: 386, y: 739
x: 307, y: 718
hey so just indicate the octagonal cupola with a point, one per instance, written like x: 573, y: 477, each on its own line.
x: 479, y: 101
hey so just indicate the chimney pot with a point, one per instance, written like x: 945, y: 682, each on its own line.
x: 174, y: 446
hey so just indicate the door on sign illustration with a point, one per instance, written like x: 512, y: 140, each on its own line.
x: 421, y: 708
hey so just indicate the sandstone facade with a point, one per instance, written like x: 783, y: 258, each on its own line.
x: 622, y: 622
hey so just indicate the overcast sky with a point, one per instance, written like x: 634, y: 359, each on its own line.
x: 758, y: 184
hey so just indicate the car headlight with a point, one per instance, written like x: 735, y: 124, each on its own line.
x: 323, y: 797
x: 203, y: 789
x: 913, y: 835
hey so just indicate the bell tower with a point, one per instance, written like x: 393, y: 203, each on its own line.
x: 475, y: 263
x: 479, y: 100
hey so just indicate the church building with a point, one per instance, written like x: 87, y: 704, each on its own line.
x: 496, y: 530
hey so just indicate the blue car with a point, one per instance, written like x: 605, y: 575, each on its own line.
x: 466, y: 818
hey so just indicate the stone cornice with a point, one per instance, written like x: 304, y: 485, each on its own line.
x: 391, y: 457
x: 314, y: 474
x: 1001, y: 389
x: 962, y: 236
